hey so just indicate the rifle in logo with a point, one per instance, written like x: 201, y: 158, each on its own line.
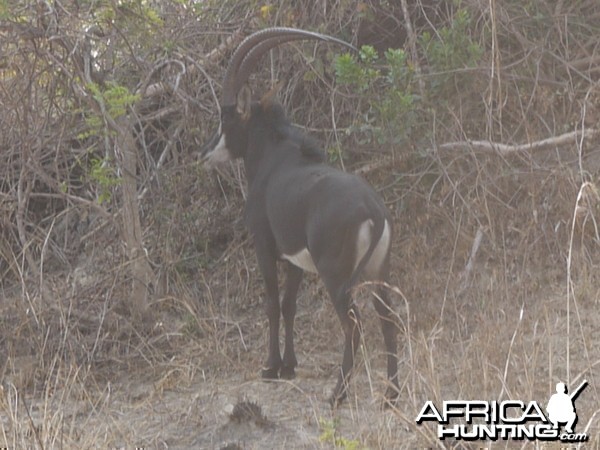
x: 580, y: 388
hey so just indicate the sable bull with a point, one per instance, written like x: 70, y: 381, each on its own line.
x: 301, y: 210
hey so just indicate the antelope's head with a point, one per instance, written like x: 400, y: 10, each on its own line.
x: 237, y: 108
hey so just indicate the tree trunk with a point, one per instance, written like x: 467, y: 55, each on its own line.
x: 139, y: 268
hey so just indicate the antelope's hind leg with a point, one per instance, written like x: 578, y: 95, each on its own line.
x: 389, y: 330
x: 350, y: 320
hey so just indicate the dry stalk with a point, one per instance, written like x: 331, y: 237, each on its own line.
x: 508, y: 355
x: 571, y: 298
x: 495, y: 75
x: 466, y: 273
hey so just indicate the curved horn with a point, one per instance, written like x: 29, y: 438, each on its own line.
x: 257, y: 44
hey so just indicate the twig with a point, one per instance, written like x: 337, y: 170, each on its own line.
x: 412, y: 44
x: 510, y: 347
x: 466, y: 273
x: 495, y: 74
x: 230, y: 42
x: 157, y: 89
x: 375, y: 165
x: 34, y: 429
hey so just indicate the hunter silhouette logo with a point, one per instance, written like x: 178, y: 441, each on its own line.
x: 561, y: 406
x: 472, y: 420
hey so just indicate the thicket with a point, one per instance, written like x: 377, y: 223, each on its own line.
x: 104, y: 105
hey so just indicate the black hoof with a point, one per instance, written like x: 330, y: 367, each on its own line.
x: 287, y: 373
x: 269, y: 374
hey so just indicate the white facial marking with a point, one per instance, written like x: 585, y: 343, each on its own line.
x: 303, y: 260
x: 218, y: 155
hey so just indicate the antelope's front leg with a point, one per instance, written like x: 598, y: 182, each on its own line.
x: 268, y: 266
x: 288, y: 310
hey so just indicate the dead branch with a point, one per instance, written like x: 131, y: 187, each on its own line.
x: 412, y: 44
x: 507, y: 149
x: 231, y: 42
x: 159, y: 88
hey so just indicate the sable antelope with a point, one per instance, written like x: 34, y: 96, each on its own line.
x: 301, y: 210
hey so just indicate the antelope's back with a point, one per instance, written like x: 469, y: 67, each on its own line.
x: 313, y: 204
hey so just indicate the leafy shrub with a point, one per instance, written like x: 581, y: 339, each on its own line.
x: 388, y: 83
x: 396, y: 113
x: 450, y: 51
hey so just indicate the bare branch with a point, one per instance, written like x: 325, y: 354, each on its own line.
x: 157, y: 89
x: 506, y: 149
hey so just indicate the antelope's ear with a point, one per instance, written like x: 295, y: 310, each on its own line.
x: 267, y: 100
x: 244, y: 102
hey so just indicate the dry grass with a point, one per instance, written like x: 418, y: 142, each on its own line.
x: 509, y: 329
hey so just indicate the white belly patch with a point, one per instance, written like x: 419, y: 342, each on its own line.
x: 303, y: 260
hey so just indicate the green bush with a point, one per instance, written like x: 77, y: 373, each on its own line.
x: 448, y: 53
x: 388, y: 83
x: 396, y: 112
